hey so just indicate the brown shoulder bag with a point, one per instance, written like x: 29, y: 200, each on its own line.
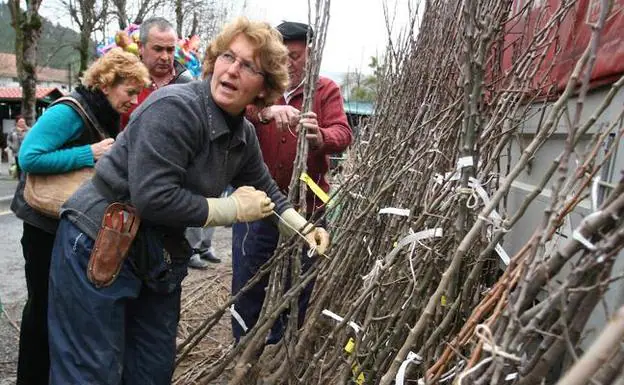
x: 46, y: 193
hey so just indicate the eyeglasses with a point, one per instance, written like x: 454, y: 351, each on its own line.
x: 246, y: 67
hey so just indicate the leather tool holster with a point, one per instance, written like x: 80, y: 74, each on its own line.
x: 119, y: 228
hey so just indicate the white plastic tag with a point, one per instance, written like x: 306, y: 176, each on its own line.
x: 395, y: 211
x: 338, y: 318
x: 411, y: 357
x: 466, y: 161
x: 238, y: 318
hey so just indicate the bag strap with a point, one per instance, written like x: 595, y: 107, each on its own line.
x: 75, y: 104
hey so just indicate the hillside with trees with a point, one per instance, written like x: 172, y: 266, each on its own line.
x: 57, y: 45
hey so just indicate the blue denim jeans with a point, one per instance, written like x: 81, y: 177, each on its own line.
x: 253, y: 245
x: 120, y: 334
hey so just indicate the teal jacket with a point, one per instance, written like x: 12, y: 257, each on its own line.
x: 42, y: 151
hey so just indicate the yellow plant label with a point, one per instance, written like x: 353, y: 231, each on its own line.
x: 316, y: 189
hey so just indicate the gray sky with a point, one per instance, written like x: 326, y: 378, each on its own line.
x: 356, y: 31
x: 357, y: 28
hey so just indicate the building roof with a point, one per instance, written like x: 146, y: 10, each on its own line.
x: 572, y: 36
x: 8, y: 68
x: 359, y: 108
x: 43, y: 93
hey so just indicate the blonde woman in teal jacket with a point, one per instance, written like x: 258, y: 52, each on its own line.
x: 59, y: 142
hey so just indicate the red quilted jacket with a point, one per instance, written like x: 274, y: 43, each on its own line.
x: 279, y: 148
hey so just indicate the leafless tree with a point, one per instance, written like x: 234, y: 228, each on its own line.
x: 87, y: 14
x: 27, y: 24
x: 179, y: 16
x: 202, y: 18
x: 123, y: 11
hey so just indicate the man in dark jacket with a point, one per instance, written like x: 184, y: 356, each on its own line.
x: 157, y: 41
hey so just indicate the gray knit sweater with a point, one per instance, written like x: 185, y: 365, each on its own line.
x: 177, y: 149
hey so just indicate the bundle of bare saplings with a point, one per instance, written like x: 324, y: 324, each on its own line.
x: 473, y: 235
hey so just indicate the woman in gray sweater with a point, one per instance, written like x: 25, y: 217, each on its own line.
x: 180, y: 150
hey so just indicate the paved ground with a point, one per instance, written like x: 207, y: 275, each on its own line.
x: 12, y: 294
x: 7, y: 187
x: 12, y: 285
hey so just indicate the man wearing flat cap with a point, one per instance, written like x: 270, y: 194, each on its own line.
x: 328, y: 132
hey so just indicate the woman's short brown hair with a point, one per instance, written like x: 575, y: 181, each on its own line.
x: 269, y: 47
x: 114, y: 67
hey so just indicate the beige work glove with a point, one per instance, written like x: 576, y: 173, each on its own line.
x: 317, y: 237
x: 246, y: 204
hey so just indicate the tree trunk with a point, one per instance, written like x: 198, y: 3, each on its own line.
x: 27, y: 25
x: 87, y: 14
x: 84, y: 48
x: 179, y: 17
x: 122, y: 14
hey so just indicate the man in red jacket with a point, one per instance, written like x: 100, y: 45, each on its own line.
x: 328, y: 132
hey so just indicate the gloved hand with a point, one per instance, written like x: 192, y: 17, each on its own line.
x: 317, y: 237
x: 251, y: 204
x: 246, y: 204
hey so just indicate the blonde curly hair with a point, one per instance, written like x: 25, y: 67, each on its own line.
x: 271, y: 51
x: 115, y: 67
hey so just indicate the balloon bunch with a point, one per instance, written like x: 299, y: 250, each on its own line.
x: 127, y: 40
x: 187, y: 54
x: 186, y: 50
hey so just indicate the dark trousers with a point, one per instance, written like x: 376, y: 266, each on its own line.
x: 34, y: 361
x: 120, y: 334
x: 253, y: 245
